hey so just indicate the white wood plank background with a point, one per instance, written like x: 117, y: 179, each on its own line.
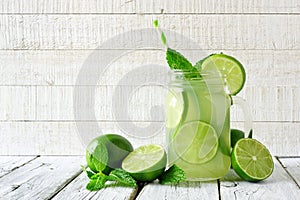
x: 43, y: 45
x: 147, y: 6
x: 90, y: 31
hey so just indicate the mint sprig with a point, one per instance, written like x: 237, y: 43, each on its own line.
x: 173, y: 175
x: 122, y: 177
x: 118, y: 176
x: 97, y: 182
x: 175, y: 59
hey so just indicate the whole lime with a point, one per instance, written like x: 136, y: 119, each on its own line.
x: 236, y: 135
x: 107, y: 152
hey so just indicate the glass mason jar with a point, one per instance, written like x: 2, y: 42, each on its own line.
x: 198, y: 124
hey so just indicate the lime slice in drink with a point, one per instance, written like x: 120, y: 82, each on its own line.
x: 251, y: 160
x: 146, y: 163
x: 196, y: 142
x: 231, y: 69
x: 174, y: 108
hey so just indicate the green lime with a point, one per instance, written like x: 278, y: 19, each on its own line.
x: 231, y: 69
x: 236, y: 135
x: 196, y: 142
x: 251, y: 160
x: 174, y: 109
x: 106, y: 152
x: 146, y: 163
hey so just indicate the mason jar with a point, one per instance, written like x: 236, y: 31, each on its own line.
x: 198, y: 124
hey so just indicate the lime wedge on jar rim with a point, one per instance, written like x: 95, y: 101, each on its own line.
x: 231, y: 70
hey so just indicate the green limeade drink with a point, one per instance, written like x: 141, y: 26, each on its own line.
x: 197, y: 123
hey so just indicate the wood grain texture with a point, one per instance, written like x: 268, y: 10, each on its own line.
x: 63, y: 138
x: 187, y: 190
x: 66, y: 7
x: 278, y: 186
x: 40, y: 178
x: 56, y: 103
x: 90, y: 31
x: 218, y: 7
x: 17, y: 102
x: 76, y: 190
x: 34, y: 138
x: 147, y: 6
x: 10, y: 163
x: 292, y: 165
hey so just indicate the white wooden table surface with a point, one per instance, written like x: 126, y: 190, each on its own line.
x: 60, y: 177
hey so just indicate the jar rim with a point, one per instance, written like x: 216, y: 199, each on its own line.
x: 211, y: 78
x: 204, y: 75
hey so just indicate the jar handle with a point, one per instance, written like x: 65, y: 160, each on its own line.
x: 248, y: 123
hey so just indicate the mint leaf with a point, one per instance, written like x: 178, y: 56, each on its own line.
x: 177, y: 61
x: 88, y: 172
x: 173, y: 175
x: 97, y: 182
x: 122, y: 177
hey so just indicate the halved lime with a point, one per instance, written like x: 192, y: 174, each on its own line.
x: 231, y: 69
x: 146, y: 163
x: 251, y: 160
x: 196, y: 142
x: 174, y: 109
